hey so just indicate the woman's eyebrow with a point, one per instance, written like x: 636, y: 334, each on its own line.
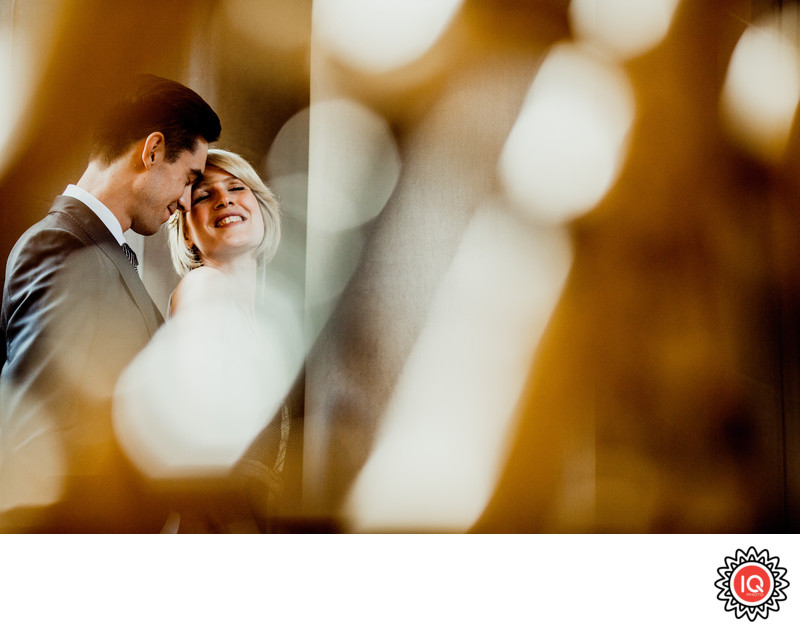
x: 224, y: 180
x: 203, y: 185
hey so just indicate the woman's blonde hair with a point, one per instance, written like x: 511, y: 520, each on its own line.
x: 185, y: 258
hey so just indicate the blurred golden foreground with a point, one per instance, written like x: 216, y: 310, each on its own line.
x: 540, y: 264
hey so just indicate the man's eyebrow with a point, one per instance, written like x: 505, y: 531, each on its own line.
x: 195, y: 175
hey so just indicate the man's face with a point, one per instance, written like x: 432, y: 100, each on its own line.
x: 165, y: 186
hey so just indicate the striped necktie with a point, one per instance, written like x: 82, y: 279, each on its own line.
x: 131, y: 256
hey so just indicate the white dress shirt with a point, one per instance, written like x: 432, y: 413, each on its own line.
x: 99, y: 209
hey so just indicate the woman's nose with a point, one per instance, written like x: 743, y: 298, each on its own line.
x: 221, y: 200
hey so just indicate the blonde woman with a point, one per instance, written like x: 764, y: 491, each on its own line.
x: 195, y: 405
x: 232, y: 229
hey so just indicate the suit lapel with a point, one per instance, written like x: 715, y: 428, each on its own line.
x: 97, y: 233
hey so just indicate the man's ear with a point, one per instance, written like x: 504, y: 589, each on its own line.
x: 153, y: 149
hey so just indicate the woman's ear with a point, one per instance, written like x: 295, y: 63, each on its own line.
x: 187, y: 240
x: 192, y: 248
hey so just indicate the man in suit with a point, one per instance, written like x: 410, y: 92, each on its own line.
x: 75, y: 313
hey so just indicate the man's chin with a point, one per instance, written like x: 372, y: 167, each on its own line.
x: 145, y: 231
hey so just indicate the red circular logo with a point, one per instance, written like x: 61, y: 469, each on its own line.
x: 751, y: 584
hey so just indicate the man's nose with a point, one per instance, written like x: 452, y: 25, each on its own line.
x: 185, y: 201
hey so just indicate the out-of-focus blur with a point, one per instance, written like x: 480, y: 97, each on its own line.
x: 453, y: 402
x: 539, y: 261
x: 342, y: 201
x: 762, y: 85
x: 567, y: 145
x: 192, y: 402
x: 378, y: 37
x: 622, y: 28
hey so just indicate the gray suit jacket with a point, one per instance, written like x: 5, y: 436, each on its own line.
x: 74, y: 314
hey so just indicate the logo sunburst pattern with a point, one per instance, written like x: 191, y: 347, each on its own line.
x: 751, y: 584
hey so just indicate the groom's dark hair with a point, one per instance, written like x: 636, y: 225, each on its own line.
x: 153, y: 104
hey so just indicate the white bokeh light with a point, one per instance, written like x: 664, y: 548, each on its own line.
x: 443, y: 437
x: 380, y: 36
x: 197, y: 395
x: 353, y: 168
x: 761, y: 90
x: 353, y: 164
x: 568, y: 143
x: 35, y: 474
x: 15, y: 88
x: 624, y: 28
x: 288, y: 153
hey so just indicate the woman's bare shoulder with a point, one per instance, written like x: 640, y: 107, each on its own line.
x: 201, y: 285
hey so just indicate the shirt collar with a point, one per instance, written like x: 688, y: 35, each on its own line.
x: 99, y: 209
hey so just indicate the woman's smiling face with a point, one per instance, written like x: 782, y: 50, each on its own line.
x: 225, y: 220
